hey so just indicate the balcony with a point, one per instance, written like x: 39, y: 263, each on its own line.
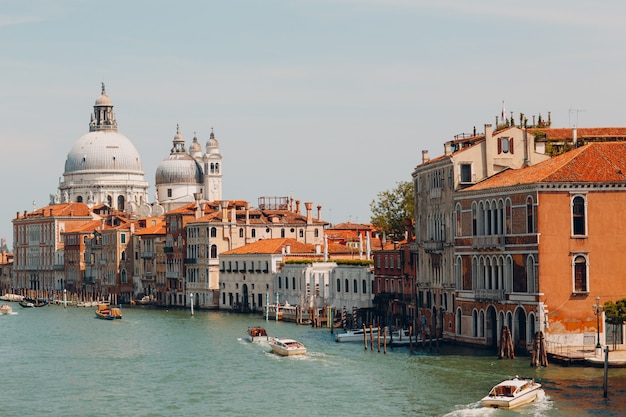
x: 489, y: 295
x: 147, y: 255
x: 489, y: 242
x: 190, y: 261
x: 433, y: 246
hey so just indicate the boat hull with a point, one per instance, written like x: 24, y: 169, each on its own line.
x: 287, y: 347
x: 355, y: 336
x: 523, y: 396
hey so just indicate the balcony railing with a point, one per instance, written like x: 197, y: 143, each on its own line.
x: 492, y: 242
x: 433, y: 246
x: 191, y: 261
x: 489, y: 295
x: 147, y: 255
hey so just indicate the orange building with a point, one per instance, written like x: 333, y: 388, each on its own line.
x: 536, y: 247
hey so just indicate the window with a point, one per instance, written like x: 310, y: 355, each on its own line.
x: 213, y: 251
x: 578, y: 216
x: 466, y: 172
x: 356, y: 286
x: 338, y: 285
x: 505, y: 145
x: 253, y: 233
x: 293, y: 282
x: 241, y: 233
x: 282, y: 232
x: 364, y: 286
x: 530, y: 215
x: 214, y: 232
x: 169, y: 192
x: 580, y: 274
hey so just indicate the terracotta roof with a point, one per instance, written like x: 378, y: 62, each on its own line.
x: 596, y: 162
x: 59, y: 210
x: 273, y: 246
x: 581, y: 132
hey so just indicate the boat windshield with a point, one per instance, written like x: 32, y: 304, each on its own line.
x: 502, y: 390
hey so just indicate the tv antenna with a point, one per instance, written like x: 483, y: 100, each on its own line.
x: 571, y: 111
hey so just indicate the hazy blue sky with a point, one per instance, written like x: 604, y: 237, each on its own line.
x: 329, y: 101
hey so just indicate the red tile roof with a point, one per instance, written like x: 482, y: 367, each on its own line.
x: 597, y: 162
x: 273, y: 246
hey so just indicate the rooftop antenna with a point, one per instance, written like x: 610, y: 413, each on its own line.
x: 571, y: 110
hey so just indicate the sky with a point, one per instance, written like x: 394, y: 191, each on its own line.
x: 326, y: 101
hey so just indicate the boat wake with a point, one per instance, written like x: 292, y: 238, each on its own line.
x: 538, y: 407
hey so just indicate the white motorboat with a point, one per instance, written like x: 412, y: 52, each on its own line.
x: 356, y: 335
x: 257, y: 334
x: 512, y: 393
x: 287, y: 347
x: 6, y: 309
x: 11, y: 297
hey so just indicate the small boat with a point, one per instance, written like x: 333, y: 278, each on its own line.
x: 512, y: 393
x: 11, y: 297
x: 33, y: 302
x: 257, y: 334
x: 5, y: 309
x: 108, y: 313
x: 356, y: 335
x: 287, y: 347
x: 144, y: 301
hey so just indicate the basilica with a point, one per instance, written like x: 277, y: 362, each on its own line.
x: 103, y: 167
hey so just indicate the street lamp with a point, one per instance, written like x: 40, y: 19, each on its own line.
x: 597, y: 310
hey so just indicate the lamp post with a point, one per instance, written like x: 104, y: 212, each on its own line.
x: 597, y: 310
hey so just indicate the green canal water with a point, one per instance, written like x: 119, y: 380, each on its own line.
x: 59, y: 361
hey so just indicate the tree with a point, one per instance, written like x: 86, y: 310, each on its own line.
x: 615, y: 313
x: 392, y: 208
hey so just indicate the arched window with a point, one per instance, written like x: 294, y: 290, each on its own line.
x: 458, y: 220
x: 507, y: 217
x: 123, y: 276
x: 301, y: 233
x: 213, y: 231
x: 213, y: 251
x: 364, y: 285
x: 253, y: 233
x: 581, y: 283
x: 356, y: 286
x: 293, y: 282
x: 530, y: 215
x: 79, y: 199
x: 474, y: 220
x: 338, y: 285
x: 347, y: 285
x: 241, y: 232
x: 578, y: 216
x: 282, y: 232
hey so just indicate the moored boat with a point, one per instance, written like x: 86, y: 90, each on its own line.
x: 512, y: 393
x: 11, y: 297
x: 32, y: 302
x: 108, y: 313
x: 356, y: 335
x: 257, y: 334
x: 287, y: 347
x: 6, y: 309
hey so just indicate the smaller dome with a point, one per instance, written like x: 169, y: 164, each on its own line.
x: 103, y: 100
x: 179, y: 168
x: 195, y: 146
x: 212, y: 142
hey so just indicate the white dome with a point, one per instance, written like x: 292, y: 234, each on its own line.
x: 179, y: 168
x: 103, y: 151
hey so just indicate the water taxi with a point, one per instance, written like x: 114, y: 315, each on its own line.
x: 257, y: 334
x: 512, y: 393
x: 287, y: 347
x: 356, y: 335
x: 105, y: 312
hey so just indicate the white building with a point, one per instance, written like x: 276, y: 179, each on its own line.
x: 184, y: 177
x: 103, y: 166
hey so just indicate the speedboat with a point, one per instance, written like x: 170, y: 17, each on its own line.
x: 6, y: 309
x: 108, y: 313
x: 356, y: 335
x: 512, y: 393
x: 287, y: 347
x: 257, y: 334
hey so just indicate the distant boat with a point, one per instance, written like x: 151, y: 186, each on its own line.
x: 32, y: 302
x: 356, y: 335
x: 287, y: 347
x: 5, y: 309
x: 512, y: 393
x: 108, y: 313
x: 11, y: 297
x: 257, y: 334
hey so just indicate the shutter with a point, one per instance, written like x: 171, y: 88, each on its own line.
x: 499, y: 146
x: 511, y: 145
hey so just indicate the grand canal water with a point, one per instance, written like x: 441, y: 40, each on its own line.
x: 59, y: 361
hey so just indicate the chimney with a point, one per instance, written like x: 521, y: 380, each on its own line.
x: 319, y: 212
x: 224, y: 208
x: 318, y: 249
x: 298, y: 206
x: 309, y: 215
x: 575, y: 136
x: 489, y: 149
x: 447, y: 149
x: 425, y: 157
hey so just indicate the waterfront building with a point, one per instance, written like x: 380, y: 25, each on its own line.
x: 289, y: 272
x: 6, y: 269
x: 395, y: 271
x: 537, y: 247
x: 39, y: 263
x: 467, y: 160
x: 104, y: 167
x: 108, y: 260
x: 149, y: 259
x: 74, y: 258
